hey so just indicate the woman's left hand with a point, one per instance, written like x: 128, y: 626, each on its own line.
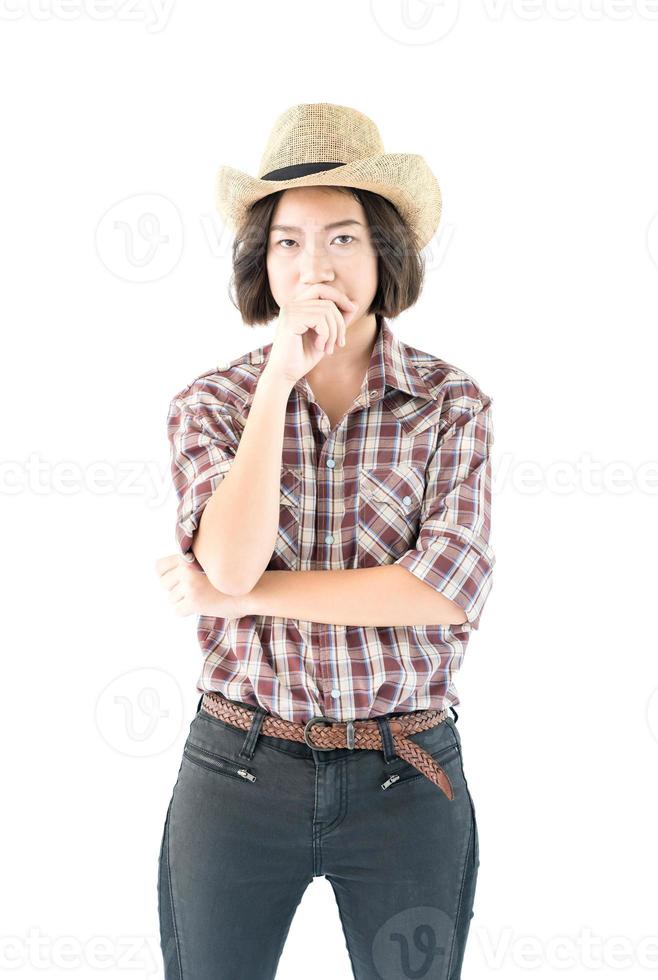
x: 191, y: 592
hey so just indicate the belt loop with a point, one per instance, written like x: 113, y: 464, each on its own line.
x: 199, y: 704
x: 249, y: 745
x: 387, y: 740
x: 454, y: 712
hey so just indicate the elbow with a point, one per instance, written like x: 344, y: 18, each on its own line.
x: 226, y: 576
x: 237, y: 589
x: 457, y: 614
x: 228, y: 582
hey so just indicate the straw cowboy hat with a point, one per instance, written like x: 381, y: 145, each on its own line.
x: 333, y: 145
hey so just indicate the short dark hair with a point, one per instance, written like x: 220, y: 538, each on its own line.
x: 400, y: 264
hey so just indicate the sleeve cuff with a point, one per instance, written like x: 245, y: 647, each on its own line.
x: 192, y: 504
x: 459, y: 568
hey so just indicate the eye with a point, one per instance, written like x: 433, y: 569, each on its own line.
x: 282, y: 241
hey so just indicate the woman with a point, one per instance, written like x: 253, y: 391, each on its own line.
x: 334, y: 502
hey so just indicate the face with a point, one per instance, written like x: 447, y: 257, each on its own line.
x: 342, y: 256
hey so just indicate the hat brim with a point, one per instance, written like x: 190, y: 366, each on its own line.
x: 405, y: 179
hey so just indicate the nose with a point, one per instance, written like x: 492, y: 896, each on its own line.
x: 315, y: 265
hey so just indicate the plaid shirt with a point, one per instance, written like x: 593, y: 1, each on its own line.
x: 405, y: 478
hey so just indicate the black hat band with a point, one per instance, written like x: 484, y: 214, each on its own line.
x: 299, y: 170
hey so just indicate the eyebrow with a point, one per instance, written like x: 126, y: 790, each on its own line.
x: 334, y: 224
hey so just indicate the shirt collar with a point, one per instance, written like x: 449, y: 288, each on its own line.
x: 395, y: 364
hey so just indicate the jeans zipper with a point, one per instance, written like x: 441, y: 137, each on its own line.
x: 217, y: 764
x: 396, y: 778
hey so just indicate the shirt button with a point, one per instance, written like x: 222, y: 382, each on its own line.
x: 406, y: 501
x: 331, y: 463
x: 329, y: 539
x: 335, y: 693
x: 374, y: 393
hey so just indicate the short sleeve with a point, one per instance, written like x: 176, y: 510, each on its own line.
x: 203, y: 441
x: 452, y: 552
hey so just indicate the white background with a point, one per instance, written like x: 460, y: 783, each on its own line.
x: 539, y: 121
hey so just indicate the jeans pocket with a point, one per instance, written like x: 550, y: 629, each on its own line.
x: 205, y: 759
x: 437, y: 742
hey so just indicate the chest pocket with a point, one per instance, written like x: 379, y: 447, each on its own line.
x: 390, y: 502
x: 286, y: 548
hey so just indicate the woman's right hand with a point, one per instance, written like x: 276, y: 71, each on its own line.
x: 307, y: 328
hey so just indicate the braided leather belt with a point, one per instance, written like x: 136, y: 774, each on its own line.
x: 330, y: 734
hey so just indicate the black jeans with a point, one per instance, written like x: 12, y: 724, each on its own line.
x: 246, y: 833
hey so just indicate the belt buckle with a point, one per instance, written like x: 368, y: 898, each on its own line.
x: 328, y: 721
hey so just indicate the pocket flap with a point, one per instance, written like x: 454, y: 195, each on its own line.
x: 400, y: 486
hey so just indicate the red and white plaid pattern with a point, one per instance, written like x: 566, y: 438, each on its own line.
x: 405, y: 478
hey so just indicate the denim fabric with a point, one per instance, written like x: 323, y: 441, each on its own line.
x: 238, y: 853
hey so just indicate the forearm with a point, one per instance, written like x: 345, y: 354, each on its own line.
x: 240, y: 522
x: 387, y: 595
